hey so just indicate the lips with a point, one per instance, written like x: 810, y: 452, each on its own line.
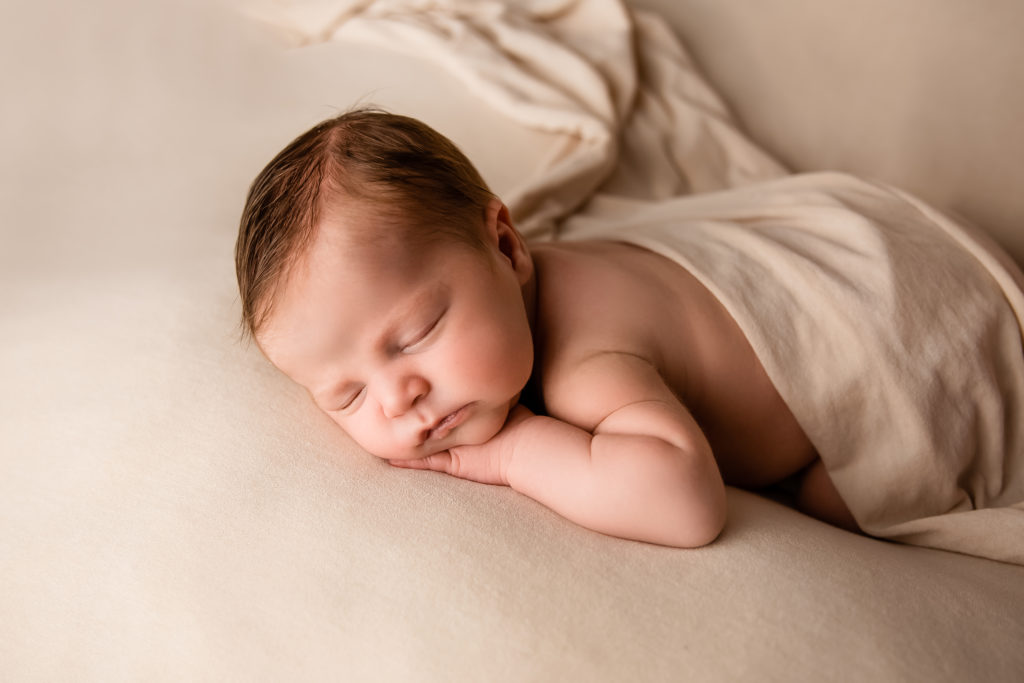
x: 449, y: 422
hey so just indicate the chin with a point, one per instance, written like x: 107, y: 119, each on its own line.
x: 481, y: 428
x: 482, y: 431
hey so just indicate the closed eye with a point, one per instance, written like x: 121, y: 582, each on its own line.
x: 423, y: 334
x: 350, y: 400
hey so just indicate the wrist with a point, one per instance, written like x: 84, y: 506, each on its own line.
x: 537, y: 447
x: 513, y: 438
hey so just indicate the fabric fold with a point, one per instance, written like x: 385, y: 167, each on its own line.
x: 631, y: 113
x: 893, y: 334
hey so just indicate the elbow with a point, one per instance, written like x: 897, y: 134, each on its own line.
x: 691, y: 533
x: 686, y: 530
x: 663, y: 494
x: 699, y: 508
x: 706, y: 531
x: 685, y: 508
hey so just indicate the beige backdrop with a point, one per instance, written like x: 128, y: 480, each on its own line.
x: 172, y: 509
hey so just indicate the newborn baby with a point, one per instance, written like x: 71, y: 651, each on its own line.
x: 597, y: 376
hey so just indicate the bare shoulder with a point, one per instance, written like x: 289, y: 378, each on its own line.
x: 617, y: 324
x: 591, y: 296
x: 599, y: 305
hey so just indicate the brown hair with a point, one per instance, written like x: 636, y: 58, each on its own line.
x: 395, y: 162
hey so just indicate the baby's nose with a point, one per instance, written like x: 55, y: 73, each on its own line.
x: 402, y: 394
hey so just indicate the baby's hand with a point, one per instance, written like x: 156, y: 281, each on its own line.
x: 486, y: 463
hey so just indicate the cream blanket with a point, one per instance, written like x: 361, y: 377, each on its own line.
x: 631, y: 113
x: 893, y: 334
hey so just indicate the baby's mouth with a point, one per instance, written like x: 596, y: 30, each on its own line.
x: 449, y: 422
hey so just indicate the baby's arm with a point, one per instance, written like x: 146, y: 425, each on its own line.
x: 637, y: 466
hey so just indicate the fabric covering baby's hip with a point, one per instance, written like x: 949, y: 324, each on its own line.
x: 893, y: 334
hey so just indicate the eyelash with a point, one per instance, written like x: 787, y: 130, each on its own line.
x: 351, y: 400
x: 422, y: 335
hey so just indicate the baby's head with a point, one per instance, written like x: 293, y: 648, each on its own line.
x: 377, y: 270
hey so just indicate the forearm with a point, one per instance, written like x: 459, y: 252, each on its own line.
x: 627, y: 485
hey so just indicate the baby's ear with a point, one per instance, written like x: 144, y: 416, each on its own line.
x: 502, y: 235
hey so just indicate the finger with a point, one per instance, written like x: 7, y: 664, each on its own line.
x: 438, y: 462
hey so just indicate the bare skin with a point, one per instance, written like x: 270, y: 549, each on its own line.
x: 652, y: 396
x: 607, y: 296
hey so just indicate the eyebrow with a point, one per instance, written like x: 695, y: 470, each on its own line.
x: 390, y: 330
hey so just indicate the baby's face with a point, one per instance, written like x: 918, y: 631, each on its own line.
x: 410, y: 352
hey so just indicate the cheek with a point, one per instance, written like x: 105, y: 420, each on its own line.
x: 371, y: 437
x: 497, y: 351
x: 515, y: 341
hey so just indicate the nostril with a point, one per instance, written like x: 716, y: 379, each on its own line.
x: 398, y: 396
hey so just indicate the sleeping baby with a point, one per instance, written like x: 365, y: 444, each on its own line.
x: 817, y: 329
